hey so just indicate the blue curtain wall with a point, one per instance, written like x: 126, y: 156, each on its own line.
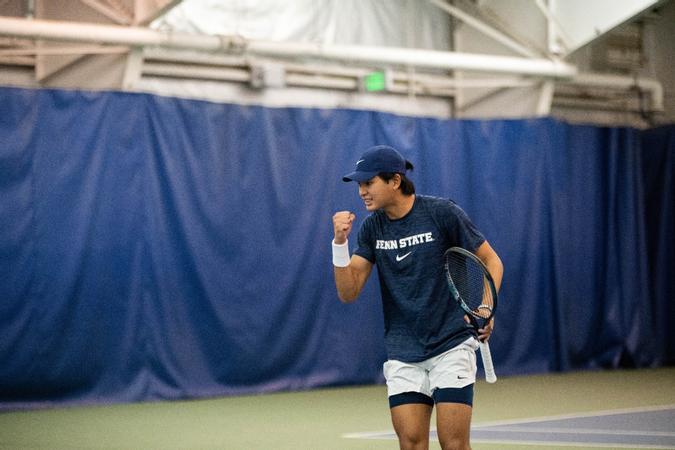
x: 159, y: 248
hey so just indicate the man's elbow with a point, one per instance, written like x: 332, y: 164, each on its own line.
x: 498, y: 263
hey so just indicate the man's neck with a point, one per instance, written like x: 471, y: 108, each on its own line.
x: 401, y: 207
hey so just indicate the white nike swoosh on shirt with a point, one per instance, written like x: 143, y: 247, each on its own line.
x: 400, y: 258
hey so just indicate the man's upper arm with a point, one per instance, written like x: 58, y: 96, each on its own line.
x: 486, y: 253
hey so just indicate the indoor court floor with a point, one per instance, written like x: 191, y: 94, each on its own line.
x: 631, y: 409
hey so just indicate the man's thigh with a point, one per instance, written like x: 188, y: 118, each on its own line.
x: 412, y: 422
x: 453, y: 423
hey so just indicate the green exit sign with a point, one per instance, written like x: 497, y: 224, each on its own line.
x: 375, y: 82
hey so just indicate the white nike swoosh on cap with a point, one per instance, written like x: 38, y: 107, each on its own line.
x: 359, y: 161
x: 400, y: 258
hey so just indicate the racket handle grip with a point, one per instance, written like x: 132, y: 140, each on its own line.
x: 489, y: 368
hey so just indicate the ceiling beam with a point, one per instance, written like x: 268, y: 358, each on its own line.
x: 108, y: 11
x: 140, y: 36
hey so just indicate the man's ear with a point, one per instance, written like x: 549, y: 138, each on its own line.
x: 396, y: 181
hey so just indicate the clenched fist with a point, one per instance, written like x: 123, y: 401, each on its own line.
x: 342, y: 225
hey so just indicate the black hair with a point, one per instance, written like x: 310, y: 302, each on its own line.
x: 407, y: 186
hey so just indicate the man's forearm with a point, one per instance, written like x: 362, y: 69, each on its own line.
x: 346, y: 283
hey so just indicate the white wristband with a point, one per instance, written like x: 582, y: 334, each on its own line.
x: 341, y: 254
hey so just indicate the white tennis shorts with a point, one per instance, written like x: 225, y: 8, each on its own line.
x: 455, y: 368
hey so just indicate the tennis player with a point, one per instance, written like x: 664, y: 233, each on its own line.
x: 431, y: 348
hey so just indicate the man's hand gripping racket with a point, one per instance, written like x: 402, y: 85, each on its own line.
x: 472, y: 287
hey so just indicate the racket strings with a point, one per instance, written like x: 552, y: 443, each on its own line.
x: 471, y: 284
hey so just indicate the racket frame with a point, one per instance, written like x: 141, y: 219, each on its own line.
x: 486, y: 355
x: 455, y: 293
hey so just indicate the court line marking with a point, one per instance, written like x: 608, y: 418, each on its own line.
x: 583, y: 431
x: 605, y: 412
x: 371, y: 435
x: 390, y: 435
x: 569, y: 444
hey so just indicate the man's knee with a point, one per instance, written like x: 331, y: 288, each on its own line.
x: 412, y: 441
x: 455, y: 443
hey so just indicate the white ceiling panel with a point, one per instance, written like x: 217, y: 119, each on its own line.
x: 582, y: 21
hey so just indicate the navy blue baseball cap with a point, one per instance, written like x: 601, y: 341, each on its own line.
x: 375, y: 160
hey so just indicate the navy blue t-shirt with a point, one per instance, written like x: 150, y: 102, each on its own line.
x: 421, y: 319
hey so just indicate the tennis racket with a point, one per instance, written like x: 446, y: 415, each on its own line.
x: 474, y: 290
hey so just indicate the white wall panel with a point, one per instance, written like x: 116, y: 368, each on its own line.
x: 395, y: 23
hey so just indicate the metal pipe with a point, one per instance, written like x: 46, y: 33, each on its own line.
x: 106, y: 34
x: 418, y: 58
x: 137, y: 36
x: 66, y: 50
